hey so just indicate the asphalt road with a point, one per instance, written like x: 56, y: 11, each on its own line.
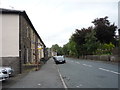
x: 75, y: 73
x: 89, y: 74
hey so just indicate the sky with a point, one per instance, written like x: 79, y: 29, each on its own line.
x: 56, y: 20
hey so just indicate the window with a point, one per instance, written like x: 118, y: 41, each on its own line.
x: 27, y: 32
x: 27, y: 54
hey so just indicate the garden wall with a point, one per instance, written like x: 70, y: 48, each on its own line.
x: 103, y: 57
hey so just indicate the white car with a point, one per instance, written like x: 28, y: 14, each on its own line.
x: 10, y: 71
x: 59, y: 59
x: 3, y: 74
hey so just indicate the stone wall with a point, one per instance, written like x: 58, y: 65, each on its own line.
x: 25, y: 40
x: 103, y: 57
x: 12, y: 62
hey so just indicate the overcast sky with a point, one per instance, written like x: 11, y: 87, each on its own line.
x: 56, y: 20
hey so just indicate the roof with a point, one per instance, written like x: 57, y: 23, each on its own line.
x: 20, y: 12
x: 10, y: 11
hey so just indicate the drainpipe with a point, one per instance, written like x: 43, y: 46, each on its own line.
x: 20, y: 40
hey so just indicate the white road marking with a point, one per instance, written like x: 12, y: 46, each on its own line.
x: 109, y: 71
x: 39, y: 84
x: 77, y: 62
x: 87, y: 65
x: 62, y: 79
x: 79, y: 86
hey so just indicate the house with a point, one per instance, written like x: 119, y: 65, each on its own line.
x: 51, y: 52
x: 21, y: 44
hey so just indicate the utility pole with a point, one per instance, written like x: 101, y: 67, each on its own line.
x: 37, y: 58
x: 36, y: 53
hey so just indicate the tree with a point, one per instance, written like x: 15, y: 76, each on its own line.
x: 98, y: 39
x: 79, y: 35
x: 72, y: 48
x: 57, y: 49
x: 119, y: 32
x: 65, y: 49
x: 119, y: 38
x: 79, y: 38
x: 91, y: 43
x: 105, y: 32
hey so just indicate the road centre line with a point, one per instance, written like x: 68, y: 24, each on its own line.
x: 109, y: 71
x: 87, y: 65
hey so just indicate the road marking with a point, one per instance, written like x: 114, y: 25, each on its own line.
x: 79, y: 86
x: 87, y: 65
x: 77, y: 62
x: 39, y: 84
x: 62, y: 79
x: 109, y: 71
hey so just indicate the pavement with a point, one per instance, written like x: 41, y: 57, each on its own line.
x: 46, y: 77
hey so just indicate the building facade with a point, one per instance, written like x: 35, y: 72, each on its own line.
x: 21, y: 44
x: 51, y: 53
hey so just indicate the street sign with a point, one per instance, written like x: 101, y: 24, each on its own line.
x: 39, y: 48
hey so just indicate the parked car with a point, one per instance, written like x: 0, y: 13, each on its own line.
x: 9, y: 70
x: 59, y: 59
x: 3, y: 74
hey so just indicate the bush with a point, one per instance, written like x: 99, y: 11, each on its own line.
x: 105, y: 49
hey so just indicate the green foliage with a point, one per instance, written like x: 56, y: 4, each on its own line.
x: 119, y: 38
x: 72, y: 48
x: 79, y: 38
x: 65, y: 49
x: 57, y: 49
x: 105, y: 32
x: 105, y: 48
x: 91, y: 43
x: 99, y: 39
x: 79, y: 35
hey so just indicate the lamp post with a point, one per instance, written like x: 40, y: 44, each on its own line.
x: 36, y: 55
x: 39, y: 47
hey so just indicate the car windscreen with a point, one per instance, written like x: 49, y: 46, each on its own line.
x: 60, y: 58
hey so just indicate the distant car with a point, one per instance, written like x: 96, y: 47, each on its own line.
x: 59, y: 59
x: 3, y: 74
x: 9, y: 70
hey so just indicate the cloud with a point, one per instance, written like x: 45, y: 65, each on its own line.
x: 56, y: 20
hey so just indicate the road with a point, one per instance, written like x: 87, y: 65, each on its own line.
x: 75, y: 73
x: 89, y: 74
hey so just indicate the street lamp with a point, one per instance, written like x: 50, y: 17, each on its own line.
x: 39, y: 47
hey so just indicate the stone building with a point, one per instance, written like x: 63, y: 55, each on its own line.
x: 21, y: 44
